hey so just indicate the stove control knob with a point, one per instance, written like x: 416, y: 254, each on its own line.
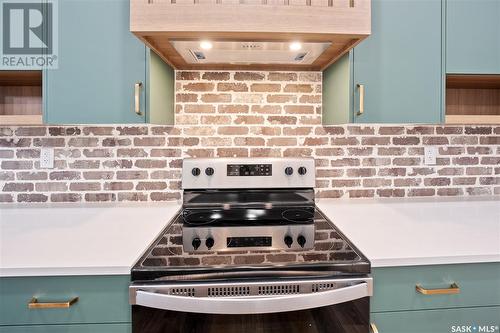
x: 196, y: 172
x: 209, y: 171
x: 196, y: 243
x: 209, y: 242
x: 288, y: 241
x: 301, y: 240
x: 302, y: 171
x: 288, y: 171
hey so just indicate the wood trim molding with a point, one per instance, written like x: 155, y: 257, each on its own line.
x: 472, y: 119
x: 157, y: 24
x: 21, y: 120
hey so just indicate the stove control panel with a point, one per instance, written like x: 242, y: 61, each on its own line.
x: 225, y: 173
x: 294, y: 237
x: 239, y: 170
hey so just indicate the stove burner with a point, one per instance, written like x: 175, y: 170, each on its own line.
x: 298, y: 215
x: 200, y: 218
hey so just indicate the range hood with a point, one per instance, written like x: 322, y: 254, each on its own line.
x: 250, y: 34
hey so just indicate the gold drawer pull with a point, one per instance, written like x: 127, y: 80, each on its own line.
x: 453, y: 289
x: 373, y: 328
x: 34, y: 304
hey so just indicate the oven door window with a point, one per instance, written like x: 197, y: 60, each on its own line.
x: 347, y: 317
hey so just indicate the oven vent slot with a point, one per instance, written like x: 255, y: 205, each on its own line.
x: 319, y: 287
x: 279, y: 289
x: 228, y: 291
x: 182, y: 292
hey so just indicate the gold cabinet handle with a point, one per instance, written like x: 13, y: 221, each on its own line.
x: 453, y: 289
x: 373, y: 328
x: 361, y: 88
x: 137, y: 98
x: 34, y: 304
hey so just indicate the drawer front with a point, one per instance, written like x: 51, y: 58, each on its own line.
x: 96, y: 328
x: 101, y: 299
x: 394, y: 287
x: 438, y: 321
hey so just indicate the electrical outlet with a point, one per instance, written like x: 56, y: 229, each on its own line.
x: 430, y: 154
x: 47, y: 158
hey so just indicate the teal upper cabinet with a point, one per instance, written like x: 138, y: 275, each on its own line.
x: 398, y: 67
x: 100, y: 62
x: 473, y: 36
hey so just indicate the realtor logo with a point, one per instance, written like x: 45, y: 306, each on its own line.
x: 28, y: 34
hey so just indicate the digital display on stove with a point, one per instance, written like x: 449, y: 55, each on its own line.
x: 249, y: 170
x: 249, y: 241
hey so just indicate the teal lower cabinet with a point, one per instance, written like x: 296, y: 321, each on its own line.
x: 436, y: 298
x: 64, y: 300
x: 395, y: 287
x: 93, y: 328
x: 483, y: 319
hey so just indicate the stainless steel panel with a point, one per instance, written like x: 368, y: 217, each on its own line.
x: 220, y: 179
x: 250, y: 297
x: 276, y: 232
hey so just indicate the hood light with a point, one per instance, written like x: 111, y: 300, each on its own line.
x: 206, y: 45
x: 295, y: 46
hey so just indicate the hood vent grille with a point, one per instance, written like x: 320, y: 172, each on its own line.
x: 300, y: 56
x: 249, y: 52
x: 198, y: 55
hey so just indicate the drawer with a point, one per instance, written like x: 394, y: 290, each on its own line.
x: 95, y: 328
x: 394, y: 287
x: 101, y: 299
x: 438, y: 321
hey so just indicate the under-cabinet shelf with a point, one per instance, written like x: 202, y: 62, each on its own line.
x: 473, y: 99
x: 20, y: 97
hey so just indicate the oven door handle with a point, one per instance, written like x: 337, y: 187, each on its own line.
x: 251, y: 304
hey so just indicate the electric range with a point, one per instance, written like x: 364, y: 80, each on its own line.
x: 250, y: 251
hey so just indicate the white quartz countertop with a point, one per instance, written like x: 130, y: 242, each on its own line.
x: 102, y: 239
x: 407, y: 232
x: 78, y: 239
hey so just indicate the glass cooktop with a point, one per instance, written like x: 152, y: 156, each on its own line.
x: 332, y: 254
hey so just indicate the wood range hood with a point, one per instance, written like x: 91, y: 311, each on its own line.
x: 303, y: 35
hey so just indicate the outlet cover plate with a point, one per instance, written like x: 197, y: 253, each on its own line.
x: 430, y: 154
x: 47, y: 158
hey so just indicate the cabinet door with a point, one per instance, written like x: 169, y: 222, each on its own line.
x: 473, y: 36
x: 400, y: 64
x: 100, y: 61
x: 394, y: 287
x: 101, y: 299
x: 484, y: 319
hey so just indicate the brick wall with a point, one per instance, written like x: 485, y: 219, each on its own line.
x: 246, y: 114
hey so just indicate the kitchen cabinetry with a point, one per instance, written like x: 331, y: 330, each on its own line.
x: 398, y: 307
x: 473, y: 36
x: 473, y: 61
x: 435, y: 321
x: 102, y: 300
x: 395, y: 75
x: 102, y: 75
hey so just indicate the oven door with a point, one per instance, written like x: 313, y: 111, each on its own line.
x: 327, y: 305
